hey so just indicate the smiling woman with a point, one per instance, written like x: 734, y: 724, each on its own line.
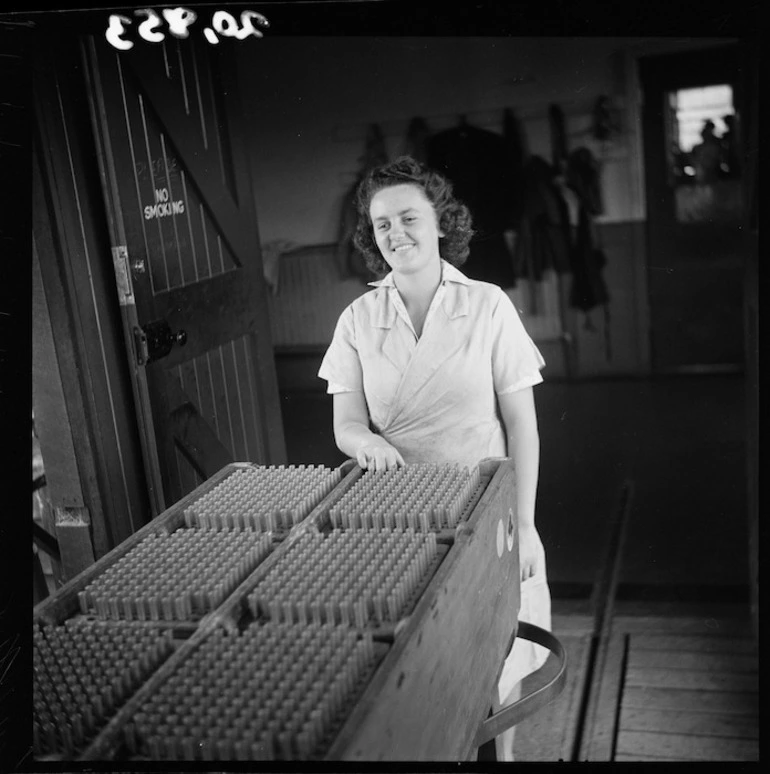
x: 451, y: 217
x: 433, y: 367
x: 405, y: 229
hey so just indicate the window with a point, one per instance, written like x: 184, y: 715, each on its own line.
x: 702, y: 153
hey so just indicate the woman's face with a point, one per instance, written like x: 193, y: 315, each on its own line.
x: 405, y: 228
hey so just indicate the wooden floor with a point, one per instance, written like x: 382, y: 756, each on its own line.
x: 675, y: 684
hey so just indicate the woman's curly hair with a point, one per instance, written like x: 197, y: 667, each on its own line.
x: 454, y: 218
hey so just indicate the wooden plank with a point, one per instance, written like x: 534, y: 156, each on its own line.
x: 81, y: 294
x: 197, y: 309
x: 693, y: 643
x: 685, y: 748
x: 43, y: 508
x: 727, y: 627
x: 550, y: 734
x: 597, y: 736
x: 733, y: 702
x: 695, y: 723
x: 691, y: 679
x: 197, y: 441
x: 601, y: 716
x: 671, y: 659
x: 52, y: 420
x: 572, y: 624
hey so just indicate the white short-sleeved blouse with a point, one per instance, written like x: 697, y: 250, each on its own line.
x: 434, y: 397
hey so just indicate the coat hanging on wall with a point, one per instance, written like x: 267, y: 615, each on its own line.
x: 543, y: 240
x: 589, y: 289
x: 558, y: 138
x: 416, y: 140
x: 350, y: 262
x: 583, y: 177
x: 478, y: 164
x: 604, y: 125
x: 515, y: 139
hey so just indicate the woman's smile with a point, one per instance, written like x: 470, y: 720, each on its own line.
x: 405, y: 227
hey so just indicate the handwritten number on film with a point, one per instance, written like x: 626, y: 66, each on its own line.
x: 178, y: 22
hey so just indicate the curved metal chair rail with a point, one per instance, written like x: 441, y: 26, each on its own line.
x: 512, y: 715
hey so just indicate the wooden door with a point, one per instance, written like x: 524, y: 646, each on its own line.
x: 696, y: 257
x: 187, y: 259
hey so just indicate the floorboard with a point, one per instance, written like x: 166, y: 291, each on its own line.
x: 684, y: 687
x: 684, y: 747
x: 716, y: 724
x: 691, y: 691
x: 694, y: 644
x: 698, y: 660
x: 691, y: 679
x: 549, y: 735
x: 733, y: 702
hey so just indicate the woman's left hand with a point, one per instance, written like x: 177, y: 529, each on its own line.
x: 530, y: 550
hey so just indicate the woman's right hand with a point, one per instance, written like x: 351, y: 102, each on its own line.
x: 379, y: 455
x: 355, y: 438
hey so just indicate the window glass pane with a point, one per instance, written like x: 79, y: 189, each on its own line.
x: 702, y: 153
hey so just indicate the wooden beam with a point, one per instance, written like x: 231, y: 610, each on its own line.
x: 598, y: 743
x: 198, y: 443
x: 95, y: 439
x: 45, y: 541
x: 597, y: 739
x: 74, y: 538
x: 52, y: 421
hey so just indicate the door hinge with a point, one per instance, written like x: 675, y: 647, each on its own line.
x: 123, y: 276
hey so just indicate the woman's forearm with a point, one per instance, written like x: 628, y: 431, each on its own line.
x: 520, y: 420
x: 354, y: 437
x: 350, y: 436
x: 524, y: 450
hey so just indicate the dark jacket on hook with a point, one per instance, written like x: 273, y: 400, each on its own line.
x: 478, y: 164
x: 588, y: 287
x: 416, y: 140
x: 516, y: 142
x: 583, y: 178
x: 543, y: 240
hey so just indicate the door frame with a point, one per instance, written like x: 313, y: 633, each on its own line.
x: 91, y: 453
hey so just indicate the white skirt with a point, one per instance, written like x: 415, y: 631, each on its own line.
x: 526, y: 657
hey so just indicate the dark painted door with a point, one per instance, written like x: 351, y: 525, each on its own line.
x: 695, y: 246
x: 187, y: 259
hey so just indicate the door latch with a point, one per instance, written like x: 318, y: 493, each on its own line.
x: 155, y: 340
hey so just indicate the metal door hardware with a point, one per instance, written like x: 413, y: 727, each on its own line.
x: 155, y: 340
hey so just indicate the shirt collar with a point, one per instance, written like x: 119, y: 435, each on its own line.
x: 455, y: 300
x: 449, y: 273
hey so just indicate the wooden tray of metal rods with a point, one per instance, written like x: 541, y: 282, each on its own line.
x: 111, y: 629
x: 374, y: 629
